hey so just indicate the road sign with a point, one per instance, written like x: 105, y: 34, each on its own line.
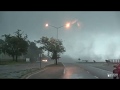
x: 27, y: 59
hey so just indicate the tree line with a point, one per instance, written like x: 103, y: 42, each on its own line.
x: 18, y: 44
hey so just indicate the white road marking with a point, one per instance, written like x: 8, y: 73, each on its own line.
x: 64, y: 71
x: 95, y: 76
x: 35, y: 73
x: 64, y: 68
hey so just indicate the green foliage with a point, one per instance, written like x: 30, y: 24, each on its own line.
x: 52, y: 45
x: 1, y: 45
x: 33, y: 50
x: 15, y: 45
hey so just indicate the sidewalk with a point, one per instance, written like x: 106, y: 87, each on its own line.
x: 49, y: 72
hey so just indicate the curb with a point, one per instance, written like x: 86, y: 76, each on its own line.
x: 26, y: 76
x: 36, y: 71
x: 64, y: 68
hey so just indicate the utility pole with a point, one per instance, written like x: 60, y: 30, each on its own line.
x: 40, y: 59
x: 1, y: 56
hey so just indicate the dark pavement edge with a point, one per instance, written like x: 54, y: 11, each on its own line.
x: 47, y: 66
x: 40, y: 69
x: 26, y: 75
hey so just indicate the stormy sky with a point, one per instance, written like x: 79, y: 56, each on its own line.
x: 92, y: 34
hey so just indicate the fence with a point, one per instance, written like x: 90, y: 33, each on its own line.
x: 114, y: 60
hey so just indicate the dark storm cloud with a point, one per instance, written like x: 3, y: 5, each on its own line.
x: 96, y: 38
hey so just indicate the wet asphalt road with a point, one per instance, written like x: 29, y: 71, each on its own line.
x: 84, y: 71
x: 51, y: 72
x: 76, y: 70
x: 73, y: 70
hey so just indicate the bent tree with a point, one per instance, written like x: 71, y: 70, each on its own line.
x: 52, y: 45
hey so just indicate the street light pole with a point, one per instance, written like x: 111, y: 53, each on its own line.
x: 40, y: 59
x: 57, y: 33
x: 67, y: 25
x: 57, y: 28
x: 1, y: 56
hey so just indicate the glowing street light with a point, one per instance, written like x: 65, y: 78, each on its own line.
x: 67, y: 26
x: 46, y: 25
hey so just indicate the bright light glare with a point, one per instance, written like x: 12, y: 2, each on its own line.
x: 44, y: 60
x: 67, y: 25
x: 78, y: 24
x: 46, y: 25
